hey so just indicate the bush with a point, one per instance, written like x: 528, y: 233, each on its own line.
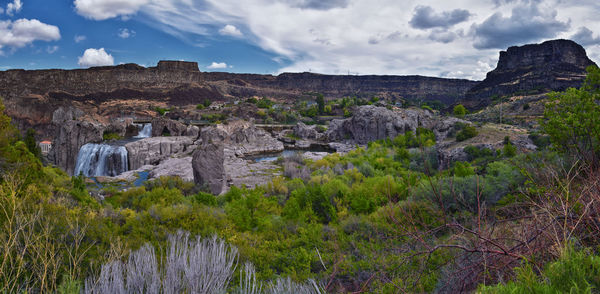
x: 573, y: 272
x: 264, y: 103
x: 205, y: 198
x: 572, y: 119
x: 466, y: 133
x: 459, y: 110
x: 107, y: 136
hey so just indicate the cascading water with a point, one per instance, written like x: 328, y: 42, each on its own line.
x: 101, y: 160
x: 145, y: 132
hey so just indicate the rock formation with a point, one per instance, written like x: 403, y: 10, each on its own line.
x: 166, y: 127
x: 71, y: 134
x: 305, y: 132
x: 219, y: 159
x: 156, y: 149
x: 370, y: 123
x: 552, y: 65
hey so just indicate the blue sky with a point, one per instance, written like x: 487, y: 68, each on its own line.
x: 458, y: 38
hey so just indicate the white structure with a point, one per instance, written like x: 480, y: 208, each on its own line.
x: 46, y: 146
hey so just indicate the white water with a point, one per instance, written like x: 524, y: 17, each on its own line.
x: 146, y: 132
x: 101, y: 160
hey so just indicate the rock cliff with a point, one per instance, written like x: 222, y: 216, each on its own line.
x: 156, y: 149
x: 371, y: 123
x: 550, y: 66
x: 71, y: 134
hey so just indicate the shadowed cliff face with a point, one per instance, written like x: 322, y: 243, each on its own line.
x: 551, y: 66
x: 129, y: 89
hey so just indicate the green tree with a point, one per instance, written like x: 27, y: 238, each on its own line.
x: 572, y: 119
x: 459, y: 110
x: 321, y: 103
x: 32, y: 144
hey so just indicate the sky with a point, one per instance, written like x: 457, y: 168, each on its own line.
x: 452, y: 39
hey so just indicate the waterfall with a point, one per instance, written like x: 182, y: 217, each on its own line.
x: 145, y: 132
x: 101, y: 160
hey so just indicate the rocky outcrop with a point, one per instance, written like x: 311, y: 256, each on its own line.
x: 166, y: 127
x: 242, y: 137
x: 552, y: 65
x: 70, y: 135
x: 371, y: 123
x: 305, y: 132
x: 175, y: 65
x: 179, y: 167
x: 156, y: 149
x: 208, y: 163
x: 219, y: 161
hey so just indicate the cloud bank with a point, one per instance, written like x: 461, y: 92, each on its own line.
x: 458, y: 38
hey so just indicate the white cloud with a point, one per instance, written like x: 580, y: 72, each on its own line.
x: 14, y: 7
x: 105, y: 9
x: 79, y: 38
x: 126, y: 33
x: 23, y: 32
x: 51, y: 49
x: 230, y: 30
x: 217, y: 65
x: 95, y: 57
x: 365, y: 36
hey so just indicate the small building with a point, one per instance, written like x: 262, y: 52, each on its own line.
x: 45, y: 146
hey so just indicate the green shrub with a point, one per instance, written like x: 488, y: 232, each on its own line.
x: 466, y: 133
x: 463, y: 169
x: 573, y: 272
x: 205, y: 198
x: 459, y: 110
x: 572, y: 119
x: 107, y: 136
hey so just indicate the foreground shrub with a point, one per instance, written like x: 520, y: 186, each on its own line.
x: 574, y: 272
x: 189, y: 266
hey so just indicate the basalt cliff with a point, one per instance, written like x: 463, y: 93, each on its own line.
x: 532, y: 69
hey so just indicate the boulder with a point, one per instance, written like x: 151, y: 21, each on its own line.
x: 219, y: 161
x: 305, y: 132
x: 208, y: 165
x: 180, y: 167
x: 155, y: 149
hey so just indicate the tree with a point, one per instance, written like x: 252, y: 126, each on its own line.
x: 321, y: 103
x: 572, y: 119
x: 459, y: 110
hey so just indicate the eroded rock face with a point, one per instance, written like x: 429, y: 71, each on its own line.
x: 208, y: 163
x: 552, y: 65
x: 305, y: 132
x: 371, y: 123
x: 156, y: 149
x: 218, y: 162
x: 70, y: 135
x: 166, y: 127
